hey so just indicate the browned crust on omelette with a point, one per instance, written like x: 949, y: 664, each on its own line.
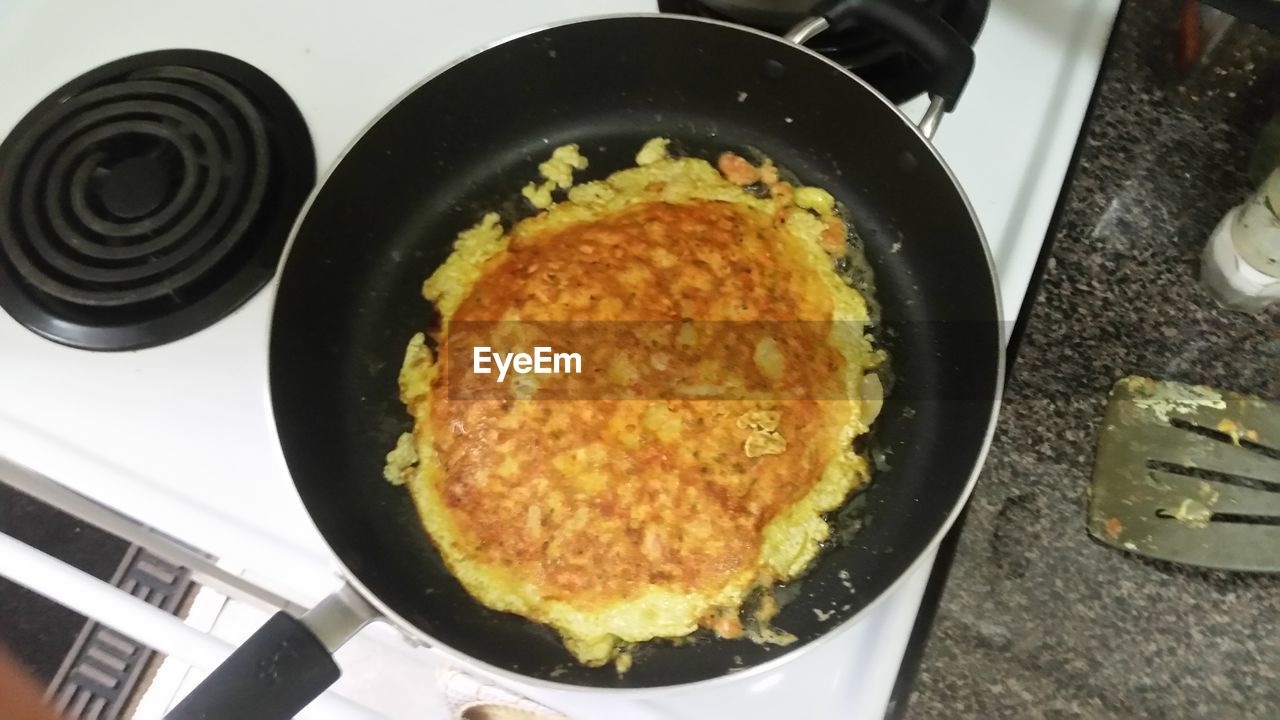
x: 691, y: 510
x: 722, y: 383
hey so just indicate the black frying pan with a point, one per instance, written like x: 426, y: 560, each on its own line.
x: 465, y: 142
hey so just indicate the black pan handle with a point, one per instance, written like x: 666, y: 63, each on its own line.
x: 924, y: 35
x: 282, y: 667
x: 272, y: 676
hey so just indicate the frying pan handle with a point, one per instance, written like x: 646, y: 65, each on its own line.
x: 282, y: 667
x: 924, y: 35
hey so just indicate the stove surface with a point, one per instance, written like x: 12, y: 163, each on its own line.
x: 180, y: 436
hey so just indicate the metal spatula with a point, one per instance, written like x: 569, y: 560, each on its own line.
x: 1189, y: 474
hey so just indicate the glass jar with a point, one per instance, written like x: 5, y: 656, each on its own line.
x: 1241, y: 262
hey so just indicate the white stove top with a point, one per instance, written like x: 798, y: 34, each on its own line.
x: 180, y: 436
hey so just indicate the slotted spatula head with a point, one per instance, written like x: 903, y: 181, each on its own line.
x: 1189, y: 474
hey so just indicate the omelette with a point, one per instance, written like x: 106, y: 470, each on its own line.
x: 684, y: 464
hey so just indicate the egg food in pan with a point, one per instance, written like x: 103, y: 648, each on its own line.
x: 723, y: 375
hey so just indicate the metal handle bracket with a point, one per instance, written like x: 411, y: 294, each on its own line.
x: 924, y: 35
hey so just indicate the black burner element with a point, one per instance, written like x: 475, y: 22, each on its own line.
x: 865, y: 51
x: 148, y: 198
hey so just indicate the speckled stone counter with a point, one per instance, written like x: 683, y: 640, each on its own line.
x: 1038, y: 620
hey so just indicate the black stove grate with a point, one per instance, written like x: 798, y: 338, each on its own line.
x: 145, y: 200
x: 865, y: 51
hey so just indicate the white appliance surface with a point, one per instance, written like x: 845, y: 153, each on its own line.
x: 180, y: 437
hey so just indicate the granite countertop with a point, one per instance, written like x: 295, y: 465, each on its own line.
x: 1037, y: 619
